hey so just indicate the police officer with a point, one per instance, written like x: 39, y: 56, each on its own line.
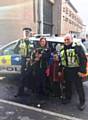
x: 74, y: 62
x: 23, y: 48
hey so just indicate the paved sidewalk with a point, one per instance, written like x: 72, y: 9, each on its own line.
x: 14, y: 111
x: 8, y: 89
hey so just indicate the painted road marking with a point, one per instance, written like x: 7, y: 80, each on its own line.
x: 40, y: 110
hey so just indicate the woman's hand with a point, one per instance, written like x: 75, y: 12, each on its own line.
x: 59, y: 73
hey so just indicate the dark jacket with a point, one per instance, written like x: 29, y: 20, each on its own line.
x: 45, y: 57
x: 82, y: 58
x: 43, y: 61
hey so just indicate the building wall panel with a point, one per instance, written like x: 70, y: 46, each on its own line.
x: 14, y: 15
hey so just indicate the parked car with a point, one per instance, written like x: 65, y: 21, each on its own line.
x: 10, y: 62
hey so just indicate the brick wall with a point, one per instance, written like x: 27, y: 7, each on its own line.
x: 14, y: 15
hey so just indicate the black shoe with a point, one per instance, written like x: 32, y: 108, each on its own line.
x: 81, y: 107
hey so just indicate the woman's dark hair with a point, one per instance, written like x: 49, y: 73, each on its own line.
x: 42, y: 39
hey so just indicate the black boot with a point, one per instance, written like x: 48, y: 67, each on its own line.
x: 20, y: 92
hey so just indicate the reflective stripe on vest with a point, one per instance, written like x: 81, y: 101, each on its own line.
x: 72, y: 58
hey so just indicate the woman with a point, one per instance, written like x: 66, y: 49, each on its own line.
x: 41, y: 57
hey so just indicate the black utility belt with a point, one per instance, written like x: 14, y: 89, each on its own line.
x: 70, y: 68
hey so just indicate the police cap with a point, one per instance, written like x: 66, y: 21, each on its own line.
x: 28, y: 29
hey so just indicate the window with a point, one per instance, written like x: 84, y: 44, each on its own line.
x: 9, y: 49
x: 64, y: 9
x: 48, y: 17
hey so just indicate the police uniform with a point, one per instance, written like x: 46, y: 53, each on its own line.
x: 73, y: 60
x: 23, y: 48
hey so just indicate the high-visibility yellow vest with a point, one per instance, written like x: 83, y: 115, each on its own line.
x: 72, y: 58
x: 23, y: 48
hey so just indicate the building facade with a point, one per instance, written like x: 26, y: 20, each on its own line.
x: 70, y: 20
x: 43, y: 16
x: 14, y: 15
x: 48, y: 16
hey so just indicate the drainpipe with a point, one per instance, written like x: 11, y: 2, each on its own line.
x: 41, y: 17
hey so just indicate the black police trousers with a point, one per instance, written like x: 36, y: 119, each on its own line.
x: 25, y: 77
x: 71, y: 77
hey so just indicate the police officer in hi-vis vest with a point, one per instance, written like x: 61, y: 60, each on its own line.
x: 23, y: 48
x: 74, y: 62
